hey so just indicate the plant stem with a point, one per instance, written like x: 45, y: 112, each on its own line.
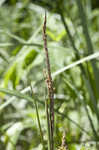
x: 38, y: 119
x: 48, y: 125
x: 49, y: 85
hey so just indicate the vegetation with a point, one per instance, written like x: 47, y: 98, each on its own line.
x: 34, y: 67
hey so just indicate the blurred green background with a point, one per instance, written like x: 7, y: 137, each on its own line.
x: 72, y: 34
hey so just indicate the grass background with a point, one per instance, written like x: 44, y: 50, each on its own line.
x: 73, y: 35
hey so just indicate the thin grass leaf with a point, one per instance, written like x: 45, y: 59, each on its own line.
x: 85, y: 59
x: 85, y: 77
x: 88, y: 40
x: 16, y: 93
x: 9, y: 101
x: 74, y: 122
x: 80, y: 97
x: 20, y: 40
x: 6, y: 44
x: 38, y: 119
x: 4, y: 56
x: 88, y: 58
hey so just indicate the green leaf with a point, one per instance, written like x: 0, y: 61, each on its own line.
x: 85, y: 59
x: 16, y: 93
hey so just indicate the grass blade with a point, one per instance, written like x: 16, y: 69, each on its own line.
x: 16, y: 93
x: 38, y: 119
x: 85, y: 59
x: 88, y: 40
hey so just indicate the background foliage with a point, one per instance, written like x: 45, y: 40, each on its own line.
x: 73, y: 33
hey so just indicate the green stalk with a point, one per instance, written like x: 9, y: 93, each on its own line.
x: 38, y: 119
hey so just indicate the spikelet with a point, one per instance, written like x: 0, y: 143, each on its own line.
x: 61, y: 148
x: 64, y: 145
